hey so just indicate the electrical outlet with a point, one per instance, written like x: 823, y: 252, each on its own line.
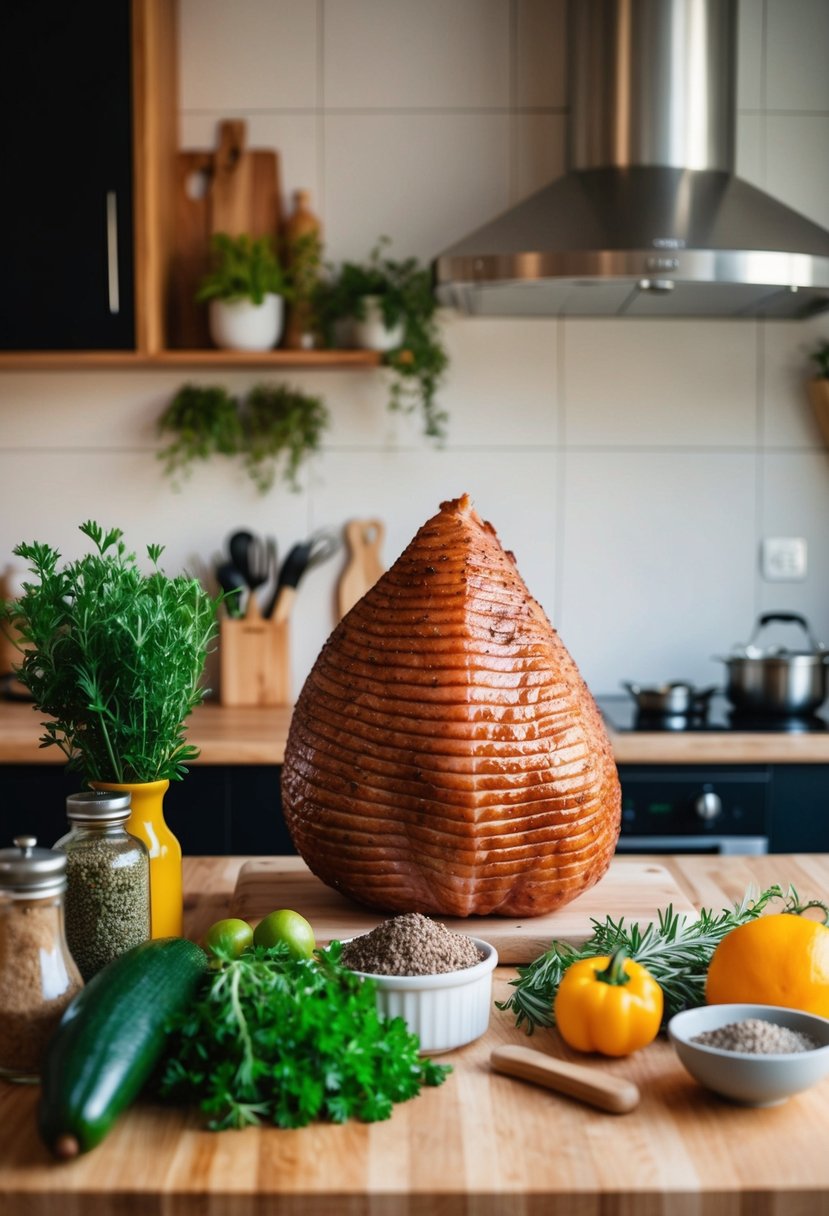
x: 784, y: 559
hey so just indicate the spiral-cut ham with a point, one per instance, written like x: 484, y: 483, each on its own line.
x: 445, y: 755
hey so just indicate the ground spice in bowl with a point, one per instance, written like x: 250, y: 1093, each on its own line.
x: 411, y: 944
x: 756, y: 1036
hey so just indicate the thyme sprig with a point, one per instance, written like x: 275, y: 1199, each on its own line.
x: 675, y: 949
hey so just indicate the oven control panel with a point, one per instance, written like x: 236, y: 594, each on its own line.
x: 695, y: 803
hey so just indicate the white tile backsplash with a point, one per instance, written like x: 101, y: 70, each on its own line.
x: 429, y: 55
x: 797, y: 163
x: 633, y: 466
x: 798, y: 34
x: 251, y: 54
x: 666, y: 382
x: 423, y: 179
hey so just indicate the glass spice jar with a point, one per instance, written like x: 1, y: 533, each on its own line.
x: 107, y: 880
x: 38, y: 976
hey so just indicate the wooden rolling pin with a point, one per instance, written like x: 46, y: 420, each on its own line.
x: 609, y: 1093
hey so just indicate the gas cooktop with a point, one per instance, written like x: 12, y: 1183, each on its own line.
x: 623, y: 714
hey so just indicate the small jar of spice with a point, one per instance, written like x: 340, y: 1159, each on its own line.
x: 38, y: 976
x: 107, y: 880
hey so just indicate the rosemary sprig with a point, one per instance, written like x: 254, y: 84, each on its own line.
x: 675, y: 949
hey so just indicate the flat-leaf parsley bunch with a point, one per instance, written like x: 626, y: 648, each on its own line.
x: 281, y: 1040
x: 114, y: 655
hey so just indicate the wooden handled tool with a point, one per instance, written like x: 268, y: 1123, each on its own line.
x: 599, y: 1089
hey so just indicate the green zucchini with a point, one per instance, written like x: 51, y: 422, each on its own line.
x: 110, y: 1039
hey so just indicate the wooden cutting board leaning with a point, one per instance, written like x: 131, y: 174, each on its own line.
x: 364, y: 540
x: 232, y: 189
x: 632, y: 888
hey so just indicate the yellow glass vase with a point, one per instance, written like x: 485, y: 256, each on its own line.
x: 148, y: 824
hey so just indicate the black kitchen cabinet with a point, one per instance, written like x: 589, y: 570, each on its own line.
x: 227, y: 810
x: 66, y: 207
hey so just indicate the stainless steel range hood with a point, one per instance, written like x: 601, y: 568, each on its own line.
x: 650, y: 220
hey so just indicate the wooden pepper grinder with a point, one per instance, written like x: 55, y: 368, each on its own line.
x: 302, y: 236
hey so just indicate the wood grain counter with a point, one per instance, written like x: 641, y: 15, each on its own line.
x: 480, y: 1145
x: 228, y: 735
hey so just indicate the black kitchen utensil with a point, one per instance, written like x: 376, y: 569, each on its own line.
x: 233, y: 583
x: 304, y: 555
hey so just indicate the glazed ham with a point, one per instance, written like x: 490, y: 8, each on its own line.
x: 445, y: 756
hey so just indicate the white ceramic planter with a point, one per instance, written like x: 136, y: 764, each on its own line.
x: 243, y: 325
x: 372, y: 332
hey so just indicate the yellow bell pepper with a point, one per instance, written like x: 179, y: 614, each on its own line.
x: 610, y: 1004
x: 781, y: 959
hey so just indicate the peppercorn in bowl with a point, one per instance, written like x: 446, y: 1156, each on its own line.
x: 438, y: 981
x: 758, y: 1055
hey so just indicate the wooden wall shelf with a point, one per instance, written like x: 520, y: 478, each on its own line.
x: 274, y: 359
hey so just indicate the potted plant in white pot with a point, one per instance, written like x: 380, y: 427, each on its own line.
x: 245, y: 290
x: 392, y: 308
x: 818, y: 389
x: 114, y: 656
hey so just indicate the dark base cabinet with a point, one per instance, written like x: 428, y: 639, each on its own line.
x: 215, y: 811
x: 671, y: 808
x: 236, y: 810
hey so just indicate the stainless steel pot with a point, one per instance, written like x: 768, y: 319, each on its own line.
x: 677, y: 698
x: 777, y: 680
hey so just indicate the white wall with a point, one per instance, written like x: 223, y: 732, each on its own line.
x: 632, y: 466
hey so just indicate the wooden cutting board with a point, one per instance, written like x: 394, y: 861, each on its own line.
x: 633, y: 888
x: 233, y: 189
x: 364, y: 540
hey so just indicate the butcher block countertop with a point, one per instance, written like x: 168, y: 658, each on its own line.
x: 230, y: 735
x: 480, y: 1145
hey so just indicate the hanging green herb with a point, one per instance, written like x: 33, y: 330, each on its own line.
x: 205, y: 422
x: 273, y: 429
x: 282, y: 428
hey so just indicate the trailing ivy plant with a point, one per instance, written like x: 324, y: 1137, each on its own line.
x: 274, y: 429
x: 243, y: 267
x: 282, y: 428
x: 113, y: 655
x: 204, y: 422
x: 404, y: 289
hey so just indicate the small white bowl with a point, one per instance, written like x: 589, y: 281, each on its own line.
x: 444, y: 1011
x: 752, y: 1079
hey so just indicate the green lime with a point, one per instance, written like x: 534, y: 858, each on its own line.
x: 229, y: 936
x: 288, y: 927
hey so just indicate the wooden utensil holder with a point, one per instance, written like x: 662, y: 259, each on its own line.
x: 254, y: 660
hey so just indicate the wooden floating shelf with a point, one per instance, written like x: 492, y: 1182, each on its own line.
x: 320, y: 359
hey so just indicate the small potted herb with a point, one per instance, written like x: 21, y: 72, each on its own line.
x: 818, y: 388
x: 246, y: 288
x: 392, y: 308
x: 114, y: 656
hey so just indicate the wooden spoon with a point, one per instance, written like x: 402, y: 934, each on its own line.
x: 589, y: 1085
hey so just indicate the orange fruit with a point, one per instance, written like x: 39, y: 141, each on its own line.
x: 775, y: 960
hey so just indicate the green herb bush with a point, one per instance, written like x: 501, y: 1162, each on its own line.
x: 405, y: 295
x: 282, y: 427
x: 243, y: 267
x: 274, y: 428
x: 114, y: 655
